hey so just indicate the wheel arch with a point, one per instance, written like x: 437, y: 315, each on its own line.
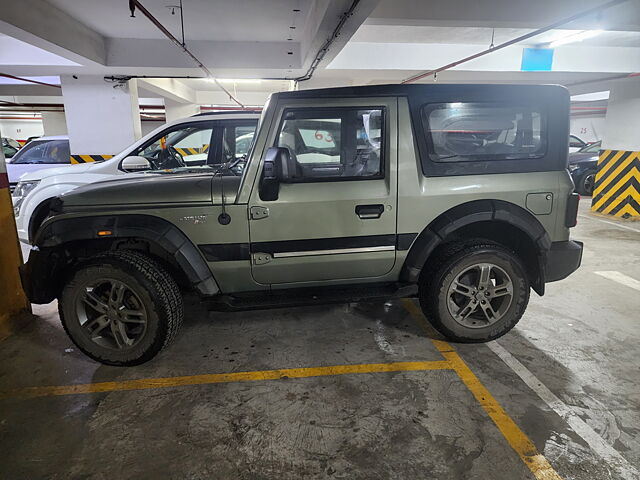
x: 38, y: 216
x: 502, y: 222
x: 64, y: 242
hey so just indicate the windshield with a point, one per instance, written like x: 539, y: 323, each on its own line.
x: 8, y: 151
x: 199, y: 144
x: 592, y: 148
x: 44, y: 152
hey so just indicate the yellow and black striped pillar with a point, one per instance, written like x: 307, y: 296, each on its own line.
x: 89, y: 158
x: 617, y: 187
x: 13, y: 302
x: 185, y: 151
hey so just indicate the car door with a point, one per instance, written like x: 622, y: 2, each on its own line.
x: 337, y: 221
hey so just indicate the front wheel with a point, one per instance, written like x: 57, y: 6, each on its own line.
x: 121, y: 308
x: 477, y: 293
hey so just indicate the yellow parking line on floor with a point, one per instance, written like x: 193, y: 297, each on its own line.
x: 149, y: 383
x: 535, y: 461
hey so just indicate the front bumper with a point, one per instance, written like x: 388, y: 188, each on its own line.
x: 563, y: 259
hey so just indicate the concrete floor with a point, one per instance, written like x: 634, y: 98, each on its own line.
x: 581, y: 340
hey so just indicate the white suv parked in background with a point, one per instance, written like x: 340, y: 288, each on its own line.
x: 194, y: 142
x: 40, y: 154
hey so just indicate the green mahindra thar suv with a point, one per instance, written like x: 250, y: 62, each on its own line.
x: 458, y: 195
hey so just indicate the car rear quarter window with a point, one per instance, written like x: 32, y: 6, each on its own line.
x: 481, y: 132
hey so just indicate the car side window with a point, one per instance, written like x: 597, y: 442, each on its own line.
x: 334, y: 144
x: 58, y: 152
x: 51, y: 151
x: 236, y: 141
x: 186, y: 146
x: 458, y: 131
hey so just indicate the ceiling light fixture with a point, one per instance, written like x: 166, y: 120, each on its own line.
x: 575, y: 37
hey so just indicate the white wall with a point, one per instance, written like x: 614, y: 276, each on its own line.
x: 148, y: 126
x: 176, y: 110
x: 21, y: 129
x: 101, y: 119
x: 589, y: 129
x: 54, y: 123
x: 622, y: 117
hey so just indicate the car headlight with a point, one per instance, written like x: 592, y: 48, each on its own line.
x: 20, y: 193
x: 573, y: 167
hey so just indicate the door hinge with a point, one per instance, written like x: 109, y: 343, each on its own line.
x: 260, y: 258
x: 258, y: 212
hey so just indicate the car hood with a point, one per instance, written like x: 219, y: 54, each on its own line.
x: 36, y: 174
x: 137, y: 191
x: 34, y: 171
x: 134, y: 190
x: 582, y: 157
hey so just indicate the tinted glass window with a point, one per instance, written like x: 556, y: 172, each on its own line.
x: 334, y: 144
x: 51, y: 151
x: 575, y: 142
x: 593, y: 148
x: 8, y: 151
x: 483, y: 131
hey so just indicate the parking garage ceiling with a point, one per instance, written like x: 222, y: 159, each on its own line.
x: 380, y: 42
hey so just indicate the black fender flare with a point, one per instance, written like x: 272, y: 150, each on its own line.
x: 471, y: 212
x: 55, y: 232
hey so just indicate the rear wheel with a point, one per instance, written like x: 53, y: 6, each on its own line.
x: 121, y: 308
x: 477, y: 292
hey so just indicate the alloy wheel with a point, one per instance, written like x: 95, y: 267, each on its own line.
x: 111, y: 314
x: 589, y: 183
x: 480, y: 295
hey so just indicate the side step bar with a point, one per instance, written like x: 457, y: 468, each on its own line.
x: 310, y: 296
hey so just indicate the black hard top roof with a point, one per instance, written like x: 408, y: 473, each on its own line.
x: 407, y: 90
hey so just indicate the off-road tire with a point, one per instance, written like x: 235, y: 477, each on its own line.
x: 156, y: 289
x: 438, y: 275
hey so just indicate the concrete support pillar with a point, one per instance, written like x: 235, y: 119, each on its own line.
x: 14, y: 306
x: 617, y: 187
x: 102, y: 117
x: 176, y: 110
x: 54, y: 123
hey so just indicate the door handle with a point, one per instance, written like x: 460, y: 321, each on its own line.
x: 369, y: 211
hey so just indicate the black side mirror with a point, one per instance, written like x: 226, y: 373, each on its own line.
x: 279, y: 167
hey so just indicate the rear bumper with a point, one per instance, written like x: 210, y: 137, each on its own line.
x: 563, y: 259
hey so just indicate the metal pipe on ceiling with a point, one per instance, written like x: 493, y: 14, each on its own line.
x: 327, y: 44
x: 133, y: 4
x: 557, y: 24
